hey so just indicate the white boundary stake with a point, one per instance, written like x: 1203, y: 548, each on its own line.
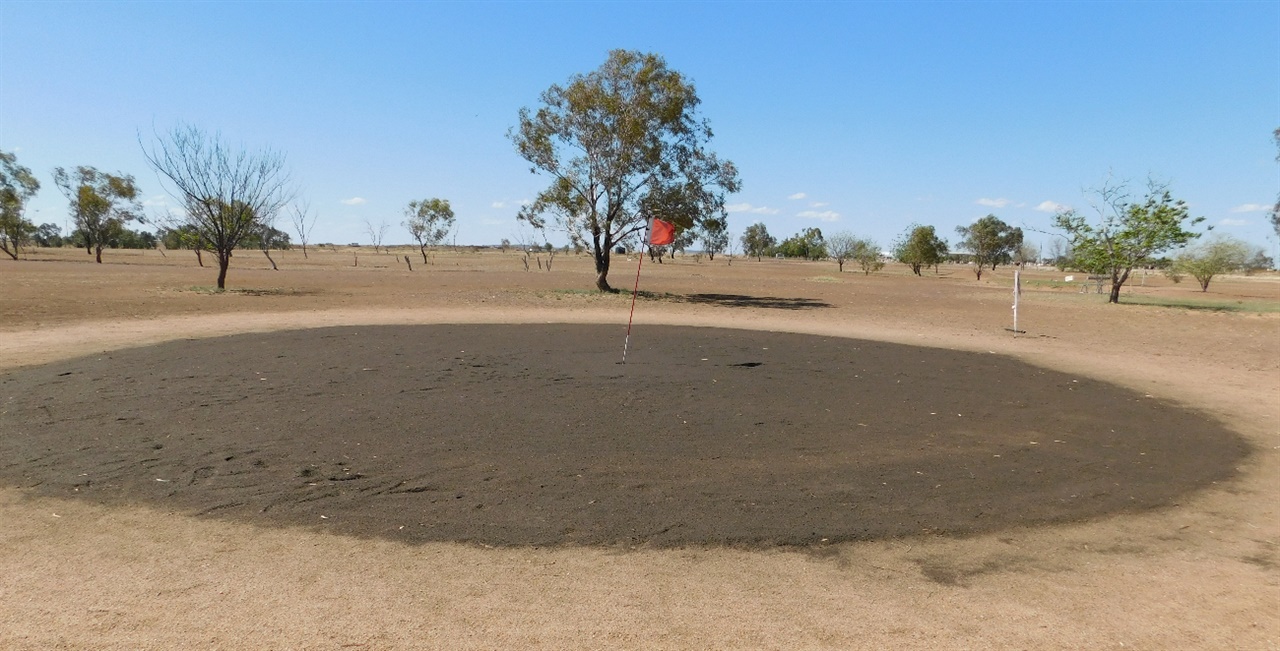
x: 1017, y: 291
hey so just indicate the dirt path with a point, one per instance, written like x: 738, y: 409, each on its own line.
x: 1200, y: 574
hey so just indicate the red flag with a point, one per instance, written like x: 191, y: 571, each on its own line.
x: 662, y: 233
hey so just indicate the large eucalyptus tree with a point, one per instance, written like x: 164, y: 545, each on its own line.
x: 622, y: 144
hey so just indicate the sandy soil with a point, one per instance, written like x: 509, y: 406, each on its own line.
x: 1200, y: 572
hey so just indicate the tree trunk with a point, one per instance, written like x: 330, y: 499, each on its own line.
x: 601, y: 251
x: 1117, y: 281
x: 12, y: 254
x: 224, y: 261
x: 199, y: 259
x: 841, y: 263
x: 99, y: 254
x: 304, y: 251
x: 273, y: 262
x: 423, y: 248
x: 978, y: 270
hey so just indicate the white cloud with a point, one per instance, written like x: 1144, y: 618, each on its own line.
x: 353, y: 201
x: 498, y: 204
x: 1251, y: 207
x: 798, y: 195
x: 746, y: 207
x: 1233, y: 222
x: 1052, y: 206
x: 993, y: 203
x: 826, y: 215
x: 525, y: 202
x: 157, y: 201
x: 819, y: 204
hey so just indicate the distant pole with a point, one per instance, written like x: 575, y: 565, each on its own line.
x: 1017, y: 290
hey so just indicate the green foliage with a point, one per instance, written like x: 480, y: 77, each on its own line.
x: 1216, y: 256
x: 1126, y: 235
x: 100, y: 204
x: 49, y: 236
x: 429, y: 221
x: 757, y: 241
x: 267, y: 237
x: 989, y: 241
x: 17, y: 186
x: 622, y: 143
x: 1260, y: 261
x: 184, y: 236
x: 918, y: 247
x: 807, y: 244
x: 714, y: 235
x: 867, y: 254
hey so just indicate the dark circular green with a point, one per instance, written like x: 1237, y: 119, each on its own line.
x: 517, y: 435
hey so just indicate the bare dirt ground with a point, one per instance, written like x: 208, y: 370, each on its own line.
x: 1201, y: 571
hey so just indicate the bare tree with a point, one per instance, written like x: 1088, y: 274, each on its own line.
x: 227, y: 193
x: 303, y: 221
x: 840, y: 247
x: 376, y: 233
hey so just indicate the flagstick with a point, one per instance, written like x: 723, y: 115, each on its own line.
x: 627, y: 343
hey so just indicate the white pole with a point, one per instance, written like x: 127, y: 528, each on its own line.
x: 1017, y: 289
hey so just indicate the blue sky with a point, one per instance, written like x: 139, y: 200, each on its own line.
x: 856, y: 116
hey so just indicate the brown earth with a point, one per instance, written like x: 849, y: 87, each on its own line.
x: 125, y: 563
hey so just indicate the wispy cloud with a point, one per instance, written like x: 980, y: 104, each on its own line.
x: 354, y: 201
x: 1052, y: 206
x: 993, y: 203
x: 748, y: 208
x: 798, y: 195
x: 825, y: 216
x: 498, y: 204
x: 820, y: 204
x: 1230, y: 221
x: 1251, y: 207
x: 156, y: 202
x: 525, y: 202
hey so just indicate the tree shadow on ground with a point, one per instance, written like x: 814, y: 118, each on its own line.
x: 770, y: 302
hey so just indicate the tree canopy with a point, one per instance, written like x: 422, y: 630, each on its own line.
x: 840, y: 247
x: 17, y: 186
x: 757, y: 241
x: 428, y: 221
x: 918, y: 247
x: 807, y: 244
x: 228, y: 193
x: 622, y: 144
x: 715, y: 236
x: 100, y: 204
x: 1125, y: 234
x: 1216, y: 256
x: 990, y: 241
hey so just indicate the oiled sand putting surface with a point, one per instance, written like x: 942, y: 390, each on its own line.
x: 535, y: 435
